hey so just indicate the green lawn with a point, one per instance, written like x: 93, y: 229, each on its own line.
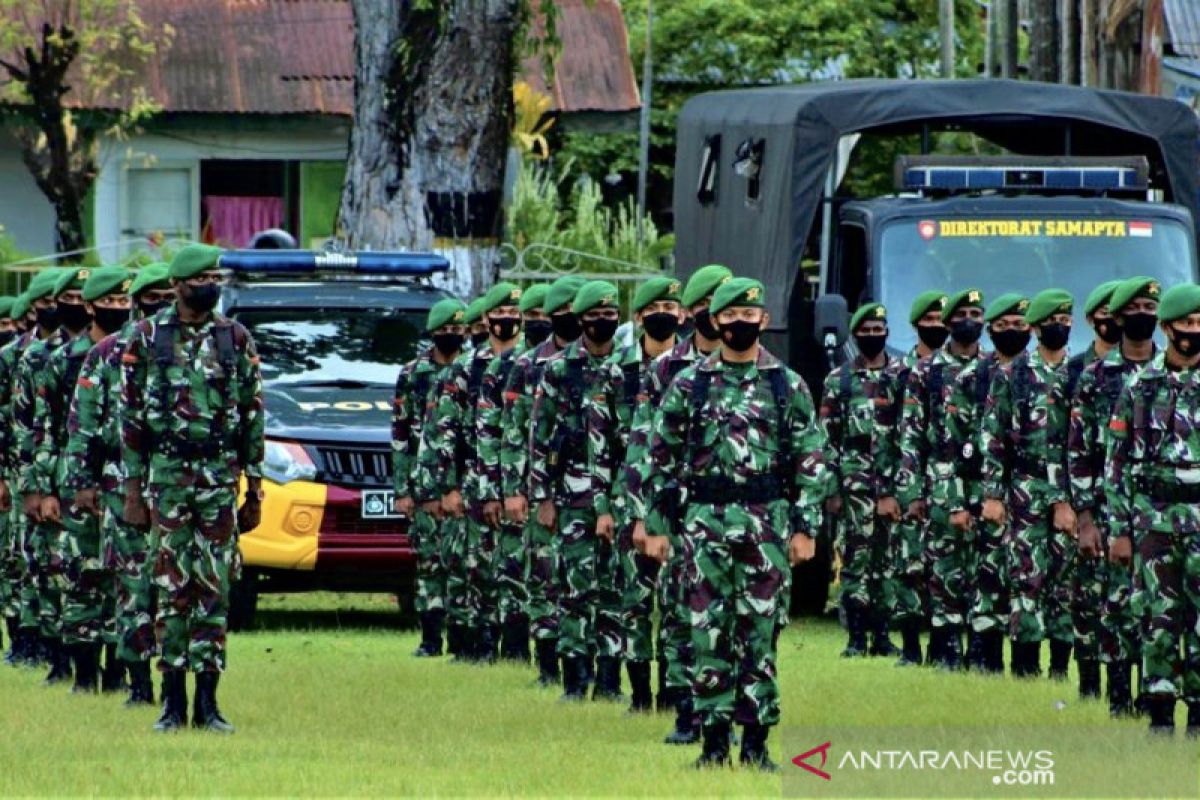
x: 329, y: 702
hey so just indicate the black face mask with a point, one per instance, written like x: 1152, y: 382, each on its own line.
x: 966, y: 331
x: 110, y: 320
x: 660, y: 326
x: 448, y: 343
x: 6, y: 337
x: 686, y: 327
x: 201, y: 299
x: 1188, y: 344
x: 739, y: 336
x: 1140, y: 326
x: 1055, y: 336
x: 566, y: 326
x: 1108, y: 330
x: 1010, y: 342
x: 870, y: 346
x: 479, y: 338
x: 74, y: 316
x: 705, y: 327
x: 505, y: 328
x: 537, y: 331
x: 601, y: 331
x: 150, y: 309
x: 933, y: 336
x: 47, y: 317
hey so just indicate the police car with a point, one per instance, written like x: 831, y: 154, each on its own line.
x: 332, y: 331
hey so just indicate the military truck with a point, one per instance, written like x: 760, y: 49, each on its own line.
x: 1084, y: 186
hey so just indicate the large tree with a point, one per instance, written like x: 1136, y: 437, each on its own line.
x: 67, y: 71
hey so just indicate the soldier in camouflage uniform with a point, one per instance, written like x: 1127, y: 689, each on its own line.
x: 564, y: 491
x: 9, y: 564
x: 957, y: 487
x: 93, y: 473
x: 657, y: 313
x: 536, y: 325
x: 1105, y: 622
x: 1025, y: 484
x: 191, y: 416
x: 859, y: 409
x: 416, y: 391
x: 1153, y: 494
x: 925, y: 400
x: 452, y: 459
x: 477, y: 328
x: 740, y: 433
x: 925, y: 315
x: 516, y: 425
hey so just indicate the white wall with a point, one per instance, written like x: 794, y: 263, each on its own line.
x: 24, y: 211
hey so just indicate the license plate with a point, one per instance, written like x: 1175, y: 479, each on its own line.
x: 379, y: 505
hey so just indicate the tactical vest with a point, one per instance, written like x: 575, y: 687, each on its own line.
x: 166, y: 337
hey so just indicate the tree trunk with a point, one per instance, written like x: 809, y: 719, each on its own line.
x: 432, y: 119
x: 1043, y: 40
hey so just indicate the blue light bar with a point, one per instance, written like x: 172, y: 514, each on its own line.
x: 1091, y: 179
x: 304, y: 262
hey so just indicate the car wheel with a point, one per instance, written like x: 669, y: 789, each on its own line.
x: 243, y: 601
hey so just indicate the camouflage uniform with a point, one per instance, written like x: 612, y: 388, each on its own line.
x: 12, y: 560
x: 908, y: 566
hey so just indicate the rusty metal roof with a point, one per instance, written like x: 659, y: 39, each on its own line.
x: 1183, y: 26
x: 297, y: 57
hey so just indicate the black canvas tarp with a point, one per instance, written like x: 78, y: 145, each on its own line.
x: 800, y: 127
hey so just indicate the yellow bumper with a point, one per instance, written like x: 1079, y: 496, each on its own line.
x: 291, y: 519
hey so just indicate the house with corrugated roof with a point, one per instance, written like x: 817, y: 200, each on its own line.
x: 256, y: 101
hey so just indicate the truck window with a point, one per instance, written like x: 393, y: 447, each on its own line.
x: 851, y: 273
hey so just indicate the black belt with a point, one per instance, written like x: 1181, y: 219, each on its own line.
x: 207, y: 448
x: 1163, y: 492
x: 723, y: 491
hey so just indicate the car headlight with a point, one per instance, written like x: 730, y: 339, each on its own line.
x: 284, y: 462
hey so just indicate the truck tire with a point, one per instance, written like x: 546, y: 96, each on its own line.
x: 243, y: 601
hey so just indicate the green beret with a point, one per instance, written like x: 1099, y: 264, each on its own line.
x: 474, y: 311
x: 107, y: 280
x: 193, y: 259
x: 21, y: 306
x: 72, y: 278
x: 657, y: 288
x: 933, y: 300
x: 704, y: 282
x: 42, y: 284
x: 1179, y: 301
x: 738, y: 292
x: 1129, y: 290
x: 6, y: 304
x: 1005, y: 304
x: 502, y: 294
x: 450, y: 311
x: 965, y: 299
x: 1048, y: 303
x: 1099, y: 297
x: 595, y: 294
x: 151, y: 276
x: 868, y: 312
x: 533, y: 297
x: 562, y: 292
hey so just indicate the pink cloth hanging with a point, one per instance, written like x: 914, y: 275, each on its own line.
x: 233, y: 221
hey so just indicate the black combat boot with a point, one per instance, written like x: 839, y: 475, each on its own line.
x: 36, y: 654
x: 112, y: 679
x: 1162, y: 714
x: 466, y: 643
x: 952, y: 649
x: 454, y: 641
x: 687, y: 725
x: 10, y: 656
x: 174, y: 701
x: 86, y: 657
x: 60, y: 661
x: 489, y: 643
x: 206, y: 714
x: 754, y: 748
x: 664, y: 701
x: 515, y: 640
x: 431, y: 642
x: 976, y: 659
x: 608, y: 678
x: 547, y: 658
x: 910, y: 638
x: 141, y: 688
x: 1193, y: 721
x: 1120, y: 693
x: 993, y: 645
x: 1060, y: 659
x: 856, y: 631
x: 936, y: 652
x: 639, y: 686
x: 1027, y: 659
x: 1089, y: 679
x: 716, y: 746
x: 881, y: 643
x: 574, y: 678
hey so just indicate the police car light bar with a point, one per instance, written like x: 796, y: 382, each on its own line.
x: 303, y: 262
x: 949, y: 174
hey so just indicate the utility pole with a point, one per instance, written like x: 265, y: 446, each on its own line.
x: 1068, y: 41
x: 1011, y: 37
x: 644, y: 132
x: 946, y: 15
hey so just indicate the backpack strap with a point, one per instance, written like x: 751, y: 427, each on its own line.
x: 166, y: 334
x: 699, y: 399
x: 844, y: 386
x: 1074, y: 370
x: 933, y: 392
x: 983, y: 381
x: 783, y: 398
x: 631, y: 384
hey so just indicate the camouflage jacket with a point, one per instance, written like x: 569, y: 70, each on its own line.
x: 515, y: 417
x: 956, y: 452
x: 52, y: 406
x: 1153, y: 465
x: 417, y: 381
x: 93, y: 452
x: 489, y: 425
x: 859, y: 411
x: 190, y: 415
x: 1024, y: 432
x: 9, y: 355
x: 449, y: 455
x: 27, y: 428
x: 1096, y: 394
x: 737, y: 436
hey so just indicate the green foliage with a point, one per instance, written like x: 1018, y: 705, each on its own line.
x: 9, y: 252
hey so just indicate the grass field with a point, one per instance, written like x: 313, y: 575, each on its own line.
x: 329, y: 702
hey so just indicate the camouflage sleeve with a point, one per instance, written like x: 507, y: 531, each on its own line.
x: 995, y: 434
x: 514, y: 443
x: 636, y: 468
x: 423, y: 482
x: 135, y: 432
x: 949, y: 489
x: 83, y: 427
x: 808, y: 446
x: 545, y: 418
x: 669, y: 437
x: 48, y: 394
x: 7, y: 434
x: 831, y: 419
x: 252, y: 431
x: 23, y: 422
x: 1085, y: 444
x: 602, y: 445
x: 447, y: 431
x: 488, y: 431
x: 1120, y: 482
x: 913, y: 442
x: 402, y: 434
x: 1058, y: 415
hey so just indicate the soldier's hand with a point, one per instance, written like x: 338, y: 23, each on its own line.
x: 492, y: 513
x: 51, y: 511
x: 1120, y: 551
x: 606, y: 527
x: 1089, y: 540
x: 833, y: 505
x: 639, y: 537
x: 801, y: 548
x: 516, y: 508
x: 5, y: 496
x: 1064, y: 518
x: 433, y: 508
x: 31, y: 506
x: 547, y: 514
x: 658, y: 548
x: 405, y: 506
x: 85, y: 500
x: 888, y: 508
x: 250, y: 514
x: 993, y: 511
x: 961, y: 520
x: 917, y: 510
x: 452, y: 503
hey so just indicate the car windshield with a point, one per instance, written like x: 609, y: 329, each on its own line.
x: 335, y: 345
x: 1024, y: 255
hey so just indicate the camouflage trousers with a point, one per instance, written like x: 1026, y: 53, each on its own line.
x: 431, y: 572
x: 908, y: 567
x: 638, y: 583
x: 540, y: 585
x: 468, y: 548
x: 195, y: 561
x: 949, y: 553
x: 126, y: 552
x: 675, y: 617
x: 589, y: 603
x: 865, y: 548
x: 89, y: 592
x: 26, y: 589
x: 989, y: 579
x: 1040, y: 562
x: 42, y: 595
x: 741, y: 578
x: 508, y: 574
x: 1169, y: 578
x: 12, y: 566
